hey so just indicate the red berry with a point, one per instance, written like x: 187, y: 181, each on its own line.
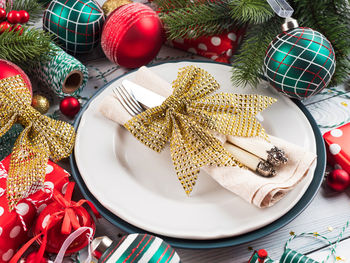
x: 13, y: 17
x: 4, y: 26
x: 2, y: 14
x: 24, y: 16
x: 17, y: 28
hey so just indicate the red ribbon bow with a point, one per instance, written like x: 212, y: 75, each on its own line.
x: 69, y: 213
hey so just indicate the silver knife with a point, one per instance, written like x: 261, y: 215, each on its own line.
x: 147, y: 98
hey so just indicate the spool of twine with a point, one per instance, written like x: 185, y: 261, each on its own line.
x: 62, y: 73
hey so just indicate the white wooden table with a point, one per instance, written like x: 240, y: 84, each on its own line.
x: 327, y: 210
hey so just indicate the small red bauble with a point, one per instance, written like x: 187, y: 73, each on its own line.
x: 13, y: 17
x: 9, y: 69
x: 24, y: 16
x: 2, y: 14
x: 69, y: 106
x: 4, y: 26
x: 55, y: 238
x: 132, y: 35
x: 338, y: 180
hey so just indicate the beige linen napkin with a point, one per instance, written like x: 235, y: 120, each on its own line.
x: 258, y: 190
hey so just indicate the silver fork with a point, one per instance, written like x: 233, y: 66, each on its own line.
x: 127, y: 100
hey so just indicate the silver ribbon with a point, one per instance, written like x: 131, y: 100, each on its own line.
x: 281, y: 8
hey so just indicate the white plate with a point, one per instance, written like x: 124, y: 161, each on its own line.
x: 141, y: 187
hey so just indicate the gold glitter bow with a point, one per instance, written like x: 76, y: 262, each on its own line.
x: 187, y: 117
x: 41, y: 138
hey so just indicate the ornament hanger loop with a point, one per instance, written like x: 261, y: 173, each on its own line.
x: 281, y: 8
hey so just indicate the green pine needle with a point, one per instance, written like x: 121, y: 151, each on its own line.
x: 248, y: 62
x: 250, y: 11
x: 194, y: 20
x: 26, y: 49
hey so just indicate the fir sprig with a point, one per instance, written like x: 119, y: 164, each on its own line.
x: 250, y: 11
x: 192, y: 19
x: 247, y: 64
x: 195, y: 20
x: 26, y: 49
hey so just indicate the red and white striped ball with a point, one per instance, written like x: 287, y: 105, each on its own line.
x: 132, y: 35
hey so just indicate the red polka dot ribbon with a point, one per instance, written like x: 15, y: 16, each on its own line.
x: 219, y: 48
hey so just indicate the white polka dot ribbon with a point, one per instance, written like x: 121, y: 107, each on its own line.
x: 281, y: 8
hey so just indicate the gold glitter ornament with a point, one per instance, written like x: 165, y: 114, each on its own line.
x: 40, y: 103
x: 41, y: 138
x: 110, y: 5
x: 188, y: 117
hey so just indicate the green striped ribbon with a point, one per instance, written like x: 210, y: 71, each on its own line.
x: 140, y: 248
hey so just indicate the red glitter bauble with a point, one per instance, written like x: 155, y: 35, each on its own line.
x: 70, y: 106
x: 8, y: 69
x: 132, y: 35
x: 338, y: 180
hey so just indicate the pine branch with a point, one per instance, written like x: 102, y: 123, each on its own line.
x: 250, y: 11
x: 166, y: 5
x: 196, y: 19
x: 248, y: 62
x: 26, y: 49
x: 33, y: 7
x: 185, y: 18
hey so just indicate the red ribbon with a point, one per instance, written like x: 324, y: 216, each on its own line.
x: 68, y: 216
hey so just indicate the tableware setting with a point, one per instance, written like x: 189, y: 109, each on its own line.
x: 137, y: 188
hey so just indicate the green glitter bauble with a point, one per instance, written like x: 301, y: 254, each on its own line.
x: 77, y: 24
x: 300, y: 62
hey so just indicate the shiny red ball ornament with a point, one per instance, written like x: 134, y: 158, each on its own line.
x: 132, y: 35
x: 55, y: 238
x: 13, y: 17
x: 2, y: 14
x: 24, y: 16
x: 4, y: 26
x: 31, y: 258
x: 9, y: 69
x: 338, y: 180
x: 70, y: 106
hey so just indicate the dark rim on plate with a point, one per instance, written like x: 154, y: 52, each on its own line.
x: 220, y: 242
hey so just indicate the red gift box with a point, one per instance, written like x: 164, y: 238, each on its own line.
x: 14, y: 225
x: 218, y: 47
x: 338, y: 147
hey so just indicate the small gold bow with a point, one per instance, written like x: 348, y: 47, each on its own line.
x: 187, y: 117
x: 41, y: 138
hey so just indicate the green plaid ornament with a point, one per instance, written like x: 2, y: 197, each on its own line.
x: 77, y: 24
x: 299, y: 62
